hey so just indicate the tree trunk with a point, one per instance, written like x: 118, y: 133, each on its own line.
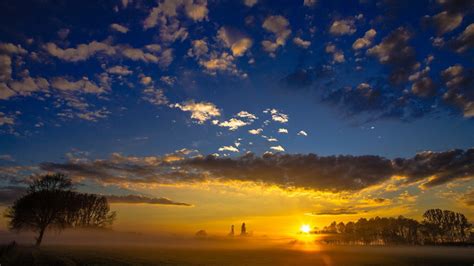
x: 40, y: 236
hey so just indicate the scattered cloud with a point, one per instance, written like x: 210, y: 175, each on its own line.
x: 200, y: 111
x: 247, y: 115
x: 119, y: 28
x: 194, y: 9
x: 233, y: 124
x: 250, y: 3
x: 337, y: 54
x: 277, y: 116
x: 229, y: 148
x: 278, y: 148
x: 280, y: 27
x: 365, y: 41
x: 6, y: 119
x: 465, y: 41
x: 302, y: 133
x: 119, y: 70
x: 343, y: 27
x: 235, y: 40
x: 309, y: 3
x: 395, y: 51
x: 283, y: 130
x: 83, y: 85
x: 256, y: 131
x: 459, y: 83
x: 301, y: 43
x: 154, y: 96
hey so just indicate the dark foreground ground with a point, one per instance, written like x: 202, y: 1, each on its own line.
x: 148, y: 255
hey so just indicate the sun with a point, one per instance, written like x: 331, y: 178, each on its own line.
x: 305, y: 228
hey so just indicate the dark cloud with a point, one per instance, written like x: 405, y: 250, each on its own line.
x: 451, y: 15
x: 308, y: 171
x: 339, y: 211
x: 331, y: 173
x: 10, y: 193
x: 377, y: 101
x: 465, y: 41
x: 443, y: 167
x: 424, y: 87
x: 459, y: 83
x: 138, y: 199
x: 395, y: 51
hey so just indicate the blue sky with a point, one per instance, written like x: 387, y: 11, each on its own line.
x: 147, y: 61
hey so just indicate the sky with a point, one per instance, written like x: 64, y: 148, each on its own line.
x: 195, y: 114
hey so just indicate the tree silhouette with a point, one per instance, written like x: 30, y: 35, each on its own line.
x: 50, y: 203
x: 438, y: 227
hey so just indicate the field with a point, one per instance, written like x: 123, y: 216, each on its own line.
x: 150, y: 255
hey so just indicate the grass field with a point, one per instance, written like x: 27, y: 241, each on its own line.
x: 149, y: 255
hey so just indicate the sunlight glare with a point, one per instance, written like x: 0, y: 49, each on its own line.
x: 305, y: 228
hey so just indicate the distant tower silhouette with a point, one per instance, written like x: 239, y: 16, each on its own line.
x: 243, y: 230
x: 231, y: 230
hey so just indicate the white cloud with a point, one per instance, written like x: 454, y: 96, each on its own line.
x: 233, y: 124
x: 245, y: 114
x: 223, y: 62
x: 256, y: 131
x: 447, y: 21
x: 250, y: 3
x: 278, y: 148
x: 283, y: 130
x: 200, y: 111
x: 309, y: 3
x: 11, y: 49
x: 301, y: 43
x: 119, y: 70
x: 272, y: 139
x: 119, y: 28
x: 29, y: 85
x: 302, y: 133
x: 279, y: 26
x: 154, y: 96
x: 365, y: 41
x: 343, y: 27
x: 81, y: 52
x: 277, y: 116
x: 94, y: 116
x: 337, y: 55
x: 464, y: 41
x: 234, y: 39
x: 194, y: 9
x: 6, y: 119
x: 169, y: 80
x: 83, y: 85
x: 146, y: 80
x: 136, y: 54
x: 198, y: 49
x: 229, y: 148
x: 6, y: 92
x: 5, y: 67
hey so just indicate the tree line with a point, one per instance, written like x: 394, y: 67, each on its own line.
x: 51, y: 203
x: 438, y: 227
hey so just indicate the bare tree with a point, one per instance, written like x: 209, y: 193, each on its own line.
x: 51, y: 204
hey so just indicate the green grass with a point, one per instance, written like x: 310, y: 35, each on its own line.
x: 152, y: 255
